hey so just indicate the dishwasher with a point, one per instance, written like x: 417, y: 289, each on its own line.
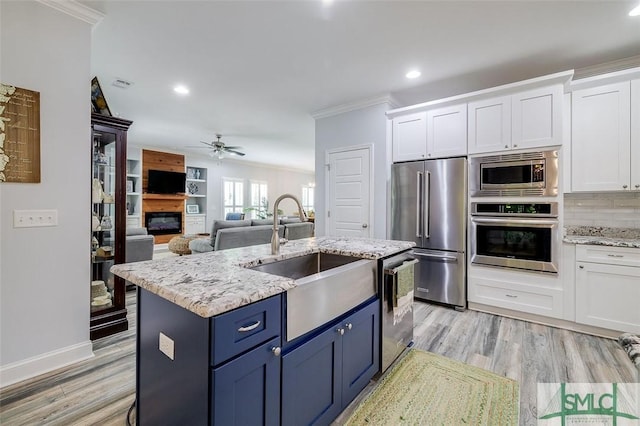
x: 397, y: 280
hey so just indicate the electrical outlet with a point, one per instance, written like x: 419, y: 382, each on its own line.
x: 166, y: 346
x: 34, y: 218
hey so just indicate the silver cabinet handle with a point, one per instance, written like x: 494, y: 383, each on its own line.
x: 506, y: 146
x: 348, y: 326
x: 515, y: 145
x: 615, y: 255
x: 581, y: 266
x: 249, y: 327
x: 624, y: 186
x: 340, y: 331
x: 365, y: 226
x: 637, y: 185
x: 276, y: 350
x: 512, y: 296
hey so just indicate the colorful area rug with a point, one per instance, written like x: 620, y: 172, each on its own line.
x: 428, y: 389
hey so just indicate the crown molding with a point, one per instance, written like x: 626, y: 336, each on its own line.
x: 75, y: 9
x: 352, y: 106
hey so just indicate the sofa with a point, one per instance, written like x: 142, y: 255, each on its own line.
x: 227, y: 234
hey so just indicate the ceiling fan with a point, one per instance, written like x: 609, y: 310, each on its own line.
x: 219, y: 149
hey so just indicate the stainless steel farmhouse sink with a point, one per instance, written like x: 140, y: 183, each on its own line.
x: 328, y: 285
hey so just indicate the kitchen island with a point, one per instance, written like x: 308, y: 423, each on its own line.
x: 211, y: 333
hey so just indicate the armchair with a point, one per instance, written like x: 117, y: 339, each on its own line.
x: 138, y: 245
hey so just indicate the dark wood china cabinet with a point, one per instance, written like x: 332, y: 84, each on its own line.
x: 108, y: 224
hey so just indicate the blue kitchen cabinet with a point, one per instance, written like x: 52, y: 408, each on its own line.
x: 198, y: 371
x: 311, y: 381
x: 246, y: 390
x: 360, y: 350
x: 323, y: 375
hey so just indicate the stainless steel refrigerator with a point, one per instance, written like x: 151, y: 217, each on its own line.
x: 429, y: 206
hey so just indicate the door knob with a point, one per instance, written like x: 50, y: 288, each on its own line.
x: 364, y: 225
x: 276, y: 350
x: 340, y: 331
x: 348, y: 326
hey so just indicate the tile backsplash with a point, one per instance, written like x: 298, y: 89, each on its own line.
x: 611, y: 209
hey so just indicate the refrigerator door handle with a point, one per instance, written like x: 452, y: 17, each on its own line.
x: 419, y: 178
x: 436, y: 256
x: 427, y: 205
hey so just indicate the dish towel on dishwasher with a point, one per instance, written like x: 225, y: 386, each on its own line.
x: 403, y: 298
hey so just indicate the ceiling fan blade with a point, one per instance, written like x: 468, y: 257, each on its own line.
x: 231, y: 151
x: 232, y: 147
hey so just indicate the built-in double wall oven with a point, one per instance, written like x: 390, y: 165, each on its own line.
x: 519, y: 235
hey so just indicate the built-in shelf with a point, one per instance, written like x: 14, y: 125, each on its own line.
x: 196, y: 180
x: 133, y: 193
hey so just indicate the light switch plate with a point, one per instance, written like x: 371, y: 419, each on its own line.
x: 34, y: 218
x: 166, y: 346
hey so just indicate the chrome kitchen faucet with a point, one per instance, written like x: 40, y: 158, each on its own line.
x: 275, y: 239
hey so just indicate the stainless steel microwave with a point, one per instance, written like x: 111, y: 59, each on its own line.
x: 519, y: 175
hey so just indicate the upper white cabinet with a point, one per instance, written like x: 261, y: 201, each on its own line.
x: 601, y: 142
x: 436, y: 133
x: 447, y: 131
x: 410, y: 137
x: 490, y: 125
x: 523, y: 120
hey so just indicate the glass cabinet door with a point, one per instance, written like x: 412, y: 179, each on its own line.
x: 104, y: 212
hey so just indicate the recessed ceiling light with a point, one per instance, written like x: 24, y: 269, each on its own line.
x: 635, y: 11
x: 413, y: 74
x: 181, y: 90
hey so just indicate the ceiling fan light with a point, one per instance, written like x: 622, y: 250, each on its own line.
x: 635, y: 11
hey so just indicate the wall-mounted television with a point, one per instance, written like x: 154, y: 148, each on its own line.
x: 164, y: 182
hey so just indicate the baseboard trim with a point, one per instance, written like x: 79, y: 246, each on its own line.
x: 41, y: 364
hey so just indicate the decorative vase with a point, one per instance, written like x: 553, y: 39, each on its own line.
x: 106, y: 223
x: 95, y: 223
x: 197, y: 174
x: 97, y: 194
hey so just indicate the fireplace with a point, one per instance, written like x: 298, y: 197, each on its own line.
x: 163, y: 223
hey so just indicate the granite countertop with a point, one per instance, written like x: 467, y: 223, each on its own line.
x: 602, y: 236
x: 209, y: 284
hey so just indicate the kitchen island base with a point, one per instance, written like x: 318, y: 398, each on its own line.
x: 230, y: 369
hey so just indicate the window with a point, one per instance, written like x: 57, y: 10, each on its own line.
x: 232, y: 193
x: 307, y: 198
x: 259, y: 201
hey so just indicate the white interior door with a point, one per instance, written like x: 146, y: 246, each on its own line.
x: 349, y: 197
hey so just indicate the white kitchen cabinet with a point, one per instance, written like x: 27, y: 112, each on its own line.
x: 410, y: 137
x: 195, y: 224
x: 635, y: 135
x: 490, y: 125
x: 528, y: 119
x: 601, y: 138
x: 537, y: 118
x: 608, y: 294
x: 447, y: 131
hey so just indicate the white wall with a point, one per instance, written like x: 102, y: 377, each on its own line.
x: 366, y: 126
x: 45, y: 272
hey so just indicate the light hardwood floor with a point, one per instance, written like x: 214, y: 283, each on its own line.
x: 100, y: 390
